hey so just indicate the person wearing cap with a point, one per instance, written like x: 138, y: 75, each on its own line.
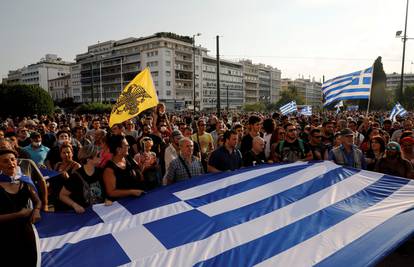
x: 393, y: 163
x: 36, y: 150
x: 171, y: 152
x: 347, y: 154
x: 407, y: 148
x: 407, y: 126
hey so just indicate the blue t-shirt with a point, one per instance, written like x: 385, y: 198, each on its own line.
x: 37, y: 155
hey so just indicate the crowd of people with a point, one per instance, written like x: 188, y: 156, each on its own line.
x: 70, y: 162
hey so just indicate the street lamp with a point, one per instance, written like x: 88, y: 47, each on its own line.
x: 194, y: 75
x: 404, y: 38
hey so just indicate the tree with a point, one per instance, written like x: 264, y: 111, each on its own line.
x: 24, y: 100
x: 255, y: 107
x: 408, y: 97
x: 289, y: 95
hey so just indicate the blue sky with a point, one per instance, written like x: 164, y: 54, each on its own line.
x: 301, y: 37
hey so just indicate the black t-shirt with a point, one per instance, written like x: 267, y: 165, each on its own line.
x: 126, y: 178
x: 252, y: 159
x: 246, y: 144
x: 291, y: 152
x: 318, y: 151
x: 85, y: 190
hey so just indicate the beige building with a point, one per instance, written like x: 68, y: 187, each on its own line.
x: 309, y: 90
x: 60, y: 88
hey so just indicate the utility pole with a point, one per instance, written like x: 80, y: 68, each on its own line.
x: 403, y: 55
x: 218, y: 75
x: 92, y: 99
x: 227, y: 99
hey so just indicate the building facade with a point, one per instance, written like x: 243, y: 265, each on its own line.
x: 48, y: 68
x: 60, y: 88
x: 231, y: 84
x: 109, y: 66
x: 309, y: 90
x: 394, y: 79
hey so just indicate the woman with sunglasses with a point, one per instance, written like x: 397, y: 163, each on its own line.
x: 375, y: 152
x: 121, y: 177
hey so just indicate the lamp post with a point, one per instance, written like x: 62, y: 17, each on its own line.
x: 404, y: 38
x: 194, y: 74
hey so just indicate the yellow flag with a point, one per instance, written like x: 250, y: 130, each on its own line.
x: 136, y: 97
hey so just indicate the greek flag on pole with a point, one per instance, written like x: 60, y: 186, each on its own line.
x: 299, y: 214
x: 356, y: 85
x: 397, y: 110
x: 306, y: 110
x: 288, y: 108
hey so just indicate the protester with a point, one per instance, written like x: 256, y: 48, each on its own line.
x: 226, y: 157
x: 120, y: 177
x: 319, y: 151
x: 148, y: 164
x: 36, y: 150
x: 348, y: 154
x: 204, y: 140
x: 185, y: 166
x: 256, y: 155
x: 375, y: 153
x: 16, y: 217
x: 292, y: 148
x: 255, y: 125
x: 393, y: 163
x: 84, y: 186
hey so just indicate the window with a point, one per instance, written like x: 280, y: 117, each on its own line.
x: 155, y: 83
x: 168, y: 73
x: 168, y: 83
x: 167, y: 63
x: 168, y: 92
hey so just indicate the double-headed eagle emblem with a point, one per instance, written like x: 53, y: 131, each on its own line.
x: 130, y: 99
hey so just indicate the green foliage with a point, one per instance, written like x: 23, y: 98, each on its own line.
x: 24, y: 100
x: 288, y: 95
x: 94, y: 108
x: 254, y: 107
x: 408, y: 97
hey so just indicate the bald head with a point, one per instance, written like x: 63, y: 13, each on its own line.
x: 258, y: 144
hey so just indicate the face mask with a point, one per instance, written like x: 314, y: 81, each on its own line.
x: 36, y: 144
x: 163, y: 129
x: 60, y: 142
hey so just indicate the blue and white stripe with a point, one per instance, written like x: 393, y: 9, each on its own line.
x: 397, y: 110
x: 356, y: 85
x: 263, y: 216
x: 288, y: 108
x: 306, y: 111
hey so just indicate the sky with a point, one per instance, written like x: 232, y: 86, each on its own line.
x: 309, y: 38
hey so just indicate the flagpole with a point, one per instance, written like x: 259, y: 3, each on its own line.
x: 370, y: 89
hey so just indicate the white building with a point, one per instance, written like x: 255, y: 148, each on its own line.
x: 75, y: 83
x: 231, y: 84
x: 309, y: 90
x: 113, y: 64
x: 60, y: 88
x: 394, y: 79
x: 48, y: 68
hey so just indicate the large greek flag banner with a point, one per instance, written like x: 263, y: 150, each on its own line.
x: 356, y: 85
x: 299, y: 214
